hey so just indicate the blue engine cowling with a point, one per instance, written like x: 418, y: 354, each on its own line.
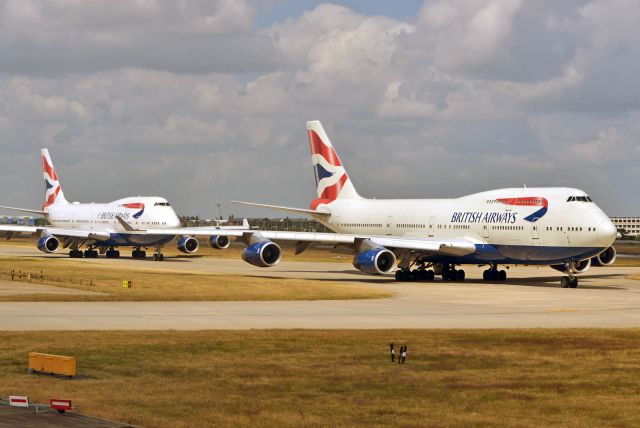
x: 262, y: 254
x: 376, y: 261
x: 219, y: 242
x: 579, y: 267
x: 48, y: 244
x: 188, y: 245
x: 605, y: 258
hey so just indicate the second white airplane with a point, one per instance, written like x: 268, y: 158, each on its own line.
x: 560, y: 227
x: 128, y: 222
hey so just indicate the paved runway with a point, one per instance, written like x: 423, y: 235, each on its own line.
x: 531, y: 297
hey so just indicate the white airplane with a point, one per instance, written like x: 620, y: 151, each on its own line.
x: 560, y: 227
x: 129, y: 222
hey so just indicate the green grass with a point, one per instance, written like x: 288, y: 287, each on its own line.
x: 340, y: 378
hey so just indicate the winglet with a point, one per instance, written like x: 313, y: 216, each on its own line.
x: 245, y: 223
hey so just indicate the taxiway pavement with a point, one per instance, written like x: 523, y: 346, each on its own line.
x: 531, y: 297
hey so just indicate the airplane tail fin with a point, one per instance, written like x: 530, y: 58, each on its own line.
x: 332, y: 180
x: 53, y: 190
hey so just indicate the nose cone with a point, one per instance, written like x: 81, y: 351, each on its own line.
x: 607, y: 233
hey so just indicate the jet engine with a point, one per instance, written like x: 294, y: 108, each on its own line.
x: 375, y: 261
x: 188, y: 245
x: 262, y: 254
x: 48, y: 244
x: 219, y: 242
x: 605, y: 258
x: 579, y: 267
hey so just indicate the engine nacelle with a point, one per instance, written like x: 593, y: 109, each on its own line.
x: 188, y: 244
x: 605, y: 258
x: 375, y: 261
x: 262, y: 254
x: 48, y: 244
x: 219, y: 242
x: 579, y: 267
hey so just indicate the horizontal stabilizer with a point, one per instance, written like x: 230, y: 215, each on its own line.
x: 26, y: 210
x: 302, y: 211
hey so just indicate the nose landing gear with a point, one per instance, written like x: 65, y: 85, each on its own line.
x: 571, y: 280
x: 158, y: 256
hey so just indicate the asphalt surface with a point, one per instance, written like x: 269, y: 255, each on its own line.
x: 531, y: 297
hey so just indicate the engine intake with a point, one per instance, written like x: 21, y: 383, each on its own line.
x: 188, y: 245
x: 219, y: 242
x: 376, y: 261
x: 579, y: 267
x: 605, y: 258
x: 48, y: 244
x: 262, y: 254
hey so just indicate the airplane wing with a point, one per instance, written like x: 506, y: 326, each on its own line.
x: 10, y: 230
x: 453, y: 247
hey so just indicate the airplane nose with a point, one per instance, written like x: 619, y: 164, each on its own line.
x: 607, y: 233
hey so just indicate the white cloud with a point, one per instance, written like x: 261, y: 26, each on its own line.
x: 166, y: 96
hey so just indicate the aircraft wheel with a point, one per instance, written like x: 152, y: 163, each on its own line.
x: 430, y: 275
x: 573, y: 283
x: 156, y: 257
x: 502, y: 275
x: 161, y: 257
x: 565, y: 282
x: 116, y: 254
x: 460, y: 275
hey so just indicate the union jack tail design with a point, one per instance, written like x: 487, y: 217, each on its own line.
x: 332, y: 180
x: 53, y: 191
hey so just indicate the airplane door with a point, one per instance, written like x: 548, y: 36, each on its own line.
x: 485, y: 231
x: 432, y: 220
x: 535, y: 234
x: 389, y: 223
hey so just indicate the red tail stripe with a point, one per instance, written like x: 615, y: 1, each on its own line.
x: 49, y: 169
x: 319, y: 148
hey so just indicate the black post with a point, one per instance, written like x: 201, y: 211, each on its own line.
x: 404, y: 354
x: 393, y: 352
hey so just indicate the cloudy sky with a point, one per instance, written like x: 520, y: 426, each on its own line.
x: 206, y: 101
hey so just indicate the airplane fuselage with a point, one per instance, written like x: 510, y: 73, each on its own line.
x: 145, y: 213
x: 524, y: 226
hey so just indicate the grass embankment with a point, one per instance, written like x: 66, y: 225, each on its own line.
x: 151, y: 285
x: 340, y: 378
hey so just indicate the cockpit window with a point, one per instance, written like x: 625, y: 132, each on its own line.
x: 579, y: 199
x: 162, y: 204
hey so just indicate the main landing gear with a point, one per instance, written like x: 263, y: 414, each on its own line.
x: 493, y: 274
x: 75, y: 253
x: 112, y: 253
x: 422, y: 273
x: 137, y: 253
x: 90, y: 253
